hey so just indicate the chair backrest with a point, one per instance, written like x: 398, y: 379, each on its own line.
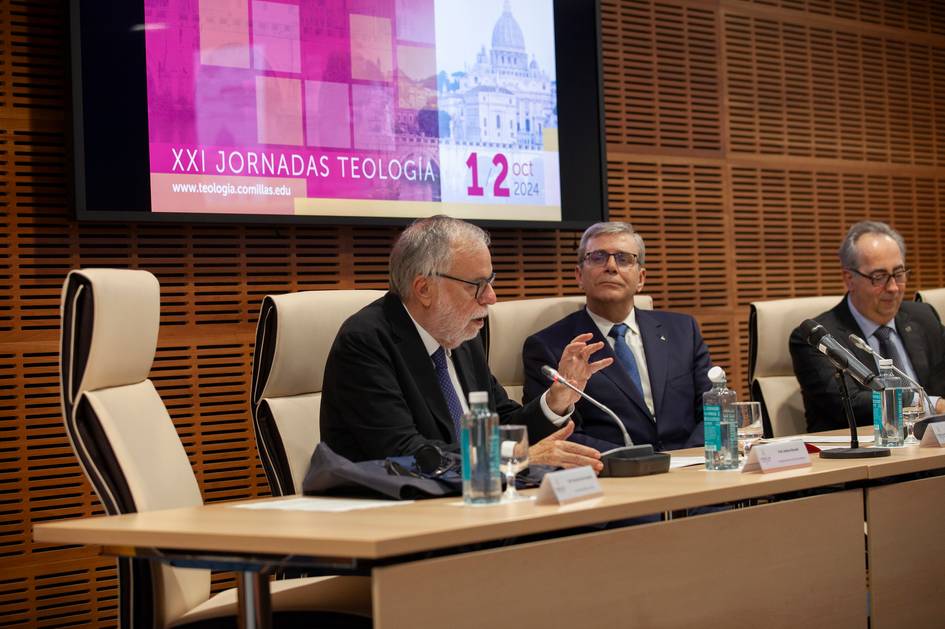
x: 770, y: 370
x: 120, y: 430
x: 934, y: 297
x: 511, y: 322
x: 293, y: 337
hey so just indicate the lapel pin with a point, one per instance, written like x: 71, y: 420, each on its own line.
x: 662, y: 338
x: 908, y: 328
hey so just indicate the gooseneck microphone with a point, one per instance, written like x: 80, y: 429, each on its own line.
x: 554, y: 376
x: 816, y: 336
x: 630, y: 460
x: 845, y: 362
x: 863, y: 345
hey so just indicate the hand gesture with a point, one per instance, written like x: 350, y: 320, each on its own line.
x: 575, y: 365
x: 556, y: 450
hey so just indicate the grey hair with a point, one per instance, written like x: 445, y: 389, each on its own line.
x: 602, y: 229
x: 850, y: 257
x: 427, y: 246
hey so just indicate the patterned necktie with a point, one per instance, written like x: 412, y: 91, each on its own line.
x: 449, y: 391
x: 887, y: 348
x: 624, y: 355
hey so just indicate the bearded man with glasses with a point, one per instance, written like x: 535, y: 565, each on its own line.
x: 873, y: 259
x: 660, y: 362
x: 400, y: 370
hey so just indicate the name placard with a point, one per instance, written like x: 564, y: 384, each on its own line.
x: 781, y: 455
x: 567, y: 486
x: 934, y: 436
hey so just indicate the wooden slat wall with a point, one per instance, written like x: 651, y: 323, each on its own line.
x: 743, y: 138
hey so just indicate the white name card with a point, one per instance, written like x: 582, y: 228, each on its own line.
x: 566, y: 486
x: 934, y: 435
x: 781, y: 455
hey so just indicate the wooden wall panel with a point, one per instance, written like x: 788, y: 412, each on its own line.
x: 662, y: 79
x: 688, y: 265
x: 789, y: 224
x: 823, y: 92
x: 743, y: 137
x: 922, y: 17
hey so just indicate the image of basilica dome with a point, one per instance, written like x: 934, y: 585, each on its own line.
x: 503, y: 98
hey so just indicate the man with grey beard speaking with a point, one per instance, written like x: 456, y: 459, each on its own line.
x: 400, y: 370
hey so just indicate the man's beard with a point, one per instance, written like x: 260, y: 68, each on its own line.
x: 452, y: 327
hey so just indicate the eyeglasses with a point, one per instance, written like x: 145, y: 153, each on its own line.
x: 881, y: 278
x: 623, y: 259
x: 479, y: 284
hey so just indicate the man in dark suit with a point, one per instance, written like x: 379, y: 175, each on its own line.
x: 874, y: 272
x: 658, y: 374
x: 400, y: 370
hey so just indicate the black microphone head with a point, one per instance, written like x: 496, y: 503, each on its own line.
x: 812, y: 331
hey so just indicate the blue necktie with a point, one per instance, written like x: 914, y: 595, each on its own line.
x: 449, y: 391
x: 887, y: 348
x: 624, y: 355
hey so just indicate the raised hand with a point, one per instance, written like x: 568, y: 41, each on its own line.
x: 575, y: 365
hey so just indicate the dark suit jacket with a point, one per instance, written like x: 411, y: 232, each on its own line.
x: 922, y: 335
x: 677, y: 361
x: 380, y: 395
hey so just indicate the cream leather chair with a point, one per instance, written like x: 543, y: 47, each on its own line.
x: 128, y: 447
x: 511, y: 322
x: 934, y: 297
x: 293, y: 337
x: 770, y: 370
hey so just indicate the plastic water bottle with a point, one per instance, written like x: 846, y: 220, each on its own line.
x: 482, y: 483
x: 887, y: 407
x: 721, y: 429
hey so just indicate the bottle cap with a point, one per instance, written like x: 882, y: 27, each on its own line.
x: 716, y: 375
x: 478, y: 397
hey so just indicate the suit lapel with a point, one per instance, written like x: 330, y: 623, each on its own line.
x: 415, y: 354
x: 914, y: 342
x: 615, y: 373
x: 655, y: 346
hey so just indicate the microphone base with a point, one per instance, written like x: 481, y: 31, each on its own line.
x: 919, y: 428
x: 854, y: 453
x: 639, y: 460
x: 851, y: 453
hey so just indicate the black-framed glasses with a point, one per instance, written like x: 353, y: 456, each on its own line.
x: 479, y: 284
x: 880, y: 279
x: 623, y: 259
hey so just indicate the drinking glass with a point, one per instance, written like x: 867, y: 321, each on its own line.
x: 514, y: 457
x: 913, y: 409
x: 748, y: 420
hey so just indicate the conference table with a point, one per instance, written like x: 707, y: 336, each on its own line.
x: 786, y: 550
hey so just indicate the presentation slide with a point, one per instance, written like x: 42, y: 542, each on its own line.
x: 367, y: 108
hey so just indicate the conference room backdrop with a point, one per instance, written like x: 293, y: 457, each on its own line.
x: 742, y: 139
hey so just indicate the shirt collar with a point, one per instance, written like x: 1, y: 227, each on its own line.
x: 429, y: 343
x: 867, y: 326
x: 606, y: 324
